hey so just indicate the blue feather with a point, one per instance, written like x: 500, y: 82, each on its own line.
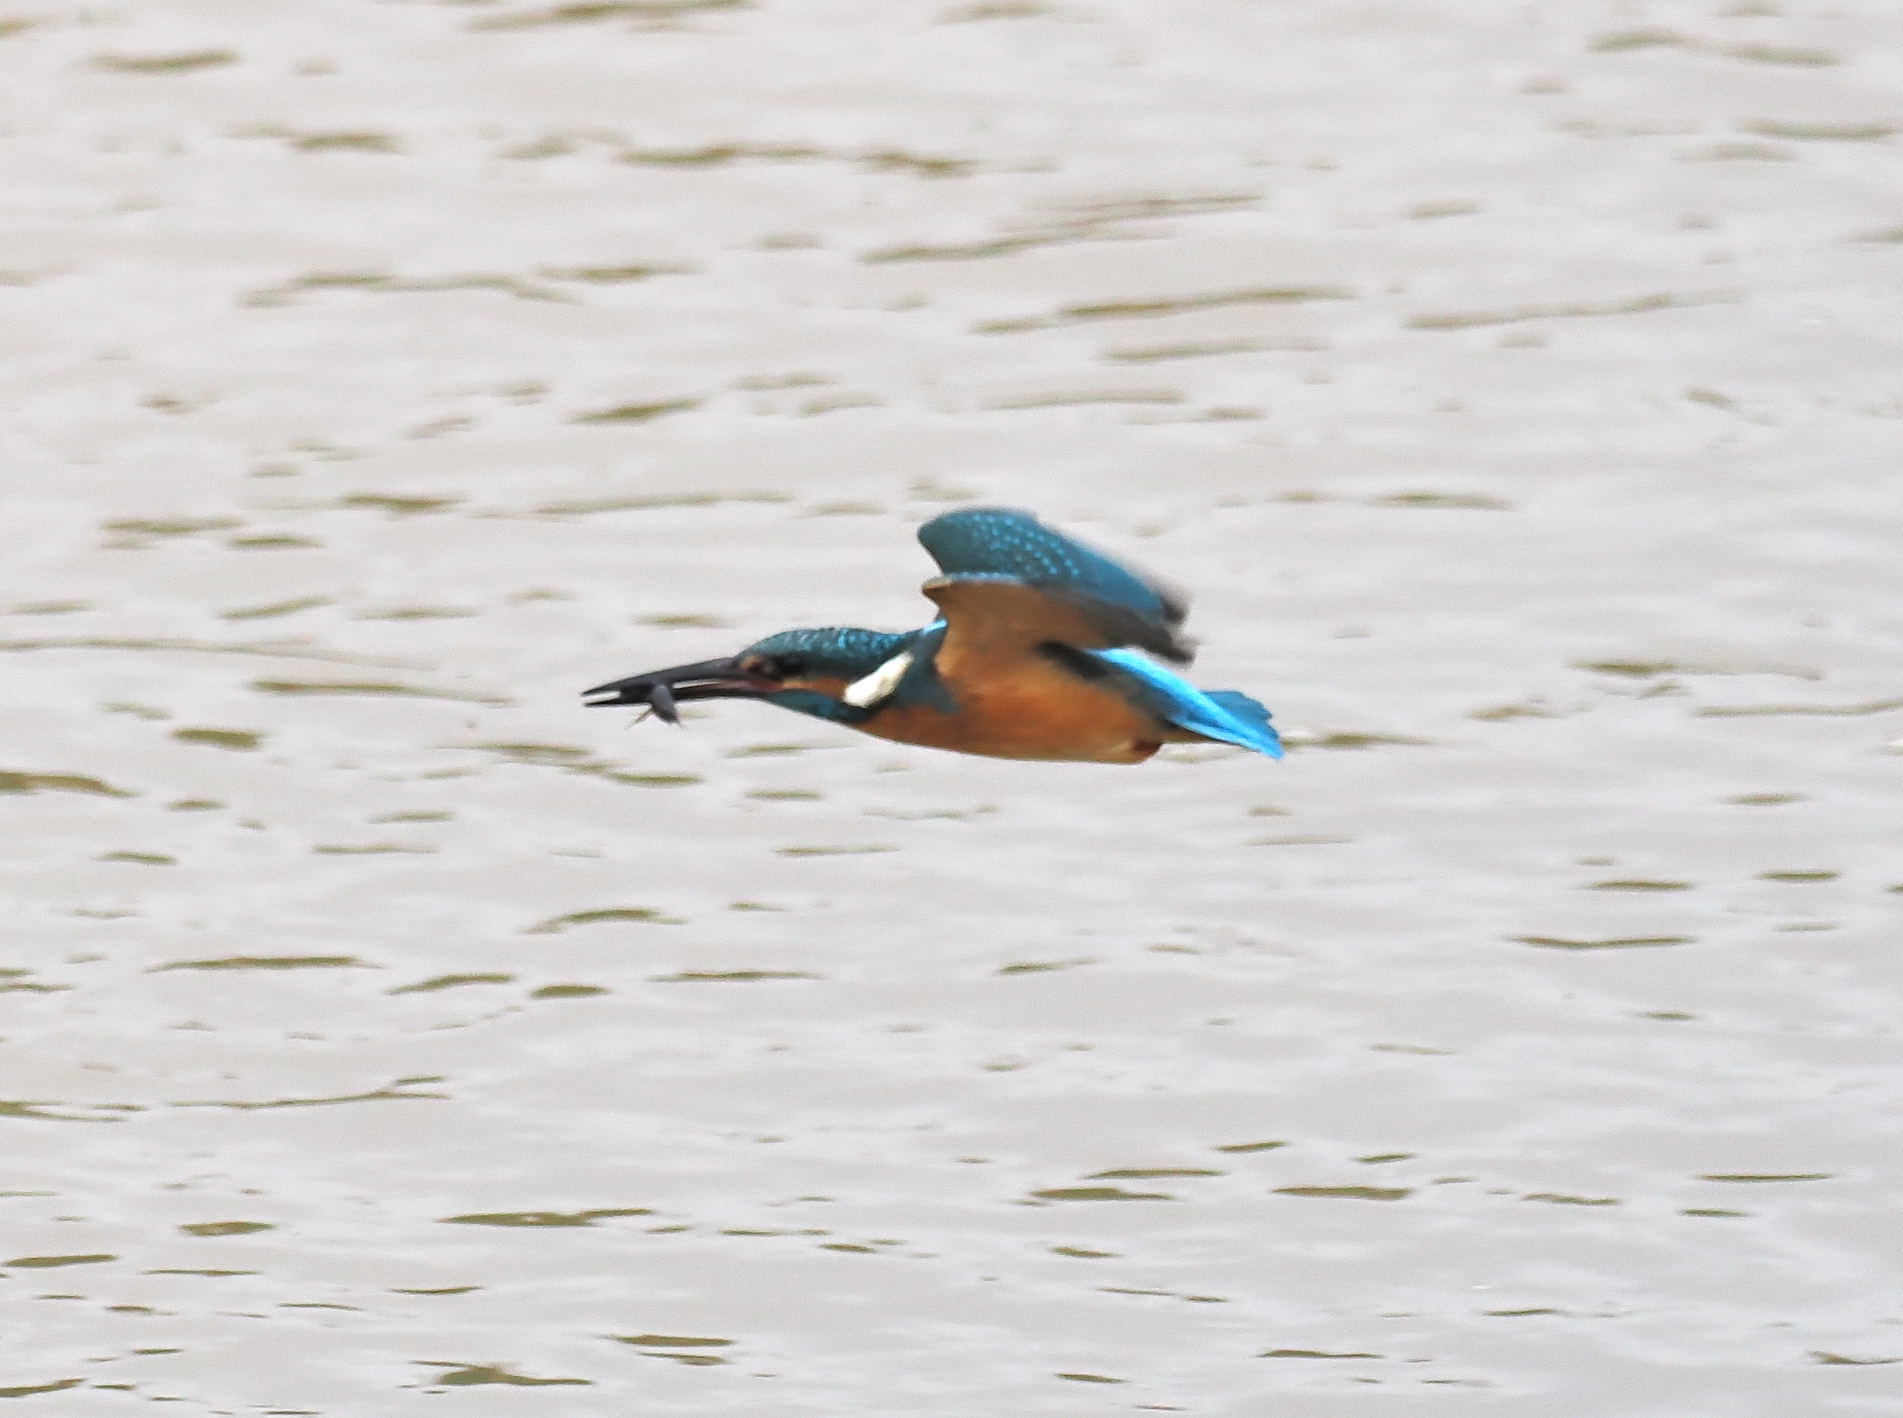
x: 1004, y: 541
x: 1001, y: 543
x: 836, y: 649
x: 820, y: 706
x: 1221, y: 714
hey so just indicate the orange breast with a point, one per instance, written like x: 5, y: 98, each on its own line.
x: 1031, y: 710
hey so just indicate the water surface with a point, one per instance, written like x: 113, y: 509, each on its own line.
x: 1515, y: 386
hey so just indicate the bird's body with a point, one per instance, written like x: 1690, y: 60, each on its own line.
x: 1027, y: 707
x: 1027, y: 661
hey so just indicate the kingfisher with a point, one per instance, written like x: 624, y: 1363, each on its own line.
x: 1037, y: 653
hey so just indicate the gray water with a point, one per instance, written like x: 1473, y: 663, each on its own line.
x: 1517, y: 387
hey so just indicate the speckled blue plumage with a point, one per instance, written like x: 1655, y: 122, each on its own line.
x: 1002, y: 542
x: 850, y: 653
x: 842, y: 650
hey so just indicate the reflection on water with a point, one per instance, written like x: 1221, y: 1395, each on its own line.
x: 382, y: 1031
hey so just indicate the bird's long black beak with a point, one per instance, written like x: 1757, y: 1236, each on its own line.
x: 660, y: 690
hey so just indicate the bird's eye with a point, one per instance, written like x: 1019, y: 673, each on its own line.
x: 772, y: 666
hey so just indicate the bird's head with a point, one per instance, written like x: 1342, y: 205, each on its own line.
x: 800, y: 669
x: 825, y: 660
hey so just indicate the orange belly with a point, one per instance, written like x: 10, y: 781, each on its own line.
x: 1035, y: 712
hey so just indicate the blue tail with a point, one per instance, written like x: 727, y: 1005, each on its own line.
x: 1226, y: 715
x: 1254, y: 717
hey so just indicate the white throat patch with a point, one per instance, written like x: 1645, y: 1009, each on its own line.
x: 880, y: 683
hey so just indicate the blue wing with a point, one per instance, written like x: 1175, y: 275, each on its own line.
x: 1001, y: 543
x: 1221, y: 714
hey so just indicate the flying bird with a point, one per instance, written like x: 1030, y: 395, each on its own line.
x: 1035, y: 654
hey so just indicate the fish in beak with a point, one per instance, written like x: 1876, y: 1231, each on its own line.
x: 658, y: 691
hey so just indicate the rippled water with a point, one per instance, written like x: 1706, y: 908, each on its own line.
x: 1516, y: 385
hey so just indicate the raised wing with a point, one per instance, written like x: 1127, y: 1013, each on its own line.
x: 1001, y: 615
x: 1083, y: 597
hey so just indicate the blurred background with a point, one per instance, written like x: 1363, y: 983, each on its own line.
x: 1516, y: 386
